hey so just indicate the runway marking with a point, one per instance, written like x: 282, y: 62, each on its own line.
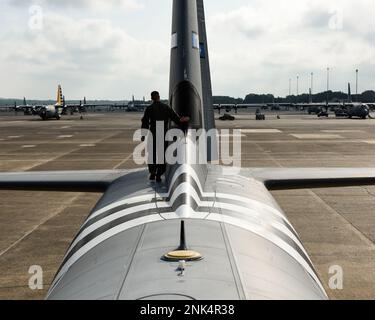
x: 231, y: 135
x: 346, y: 222
x: 66, y: 127
x: 369, y: 141
x: 268, y: 154
x: 65, y: 154
x: 316, y: 136
x: 261, y: 131
x: 342, y: 131
x: 88, y: 145
x: 29, y: 146
x: 62, y: 208
x: 14, y: 137
x: 13, y: 122
x: 304, y: 141
x: 122, y: 162
x: 64, y: 136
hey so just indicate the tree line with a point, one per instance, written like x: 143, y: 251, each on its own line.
x: 333, y: 96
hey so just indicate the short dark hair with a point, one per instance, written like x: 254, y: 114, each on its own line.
x: 155, y: 94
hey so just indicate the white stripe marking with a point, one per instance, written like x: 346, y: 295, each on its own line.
x: 65, y: 136
x: 104, y: 236
x: 260, y: 131
x: 146, y: 197
x: 308, y: 136
x: 256, y: 205
x: 185, y: 211
x: 88, y: 145
x: 109, y: 219
x: 254, y: 228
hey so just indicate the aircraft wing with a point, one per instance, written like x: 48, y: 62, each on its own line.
x: 303, y: 178
x: 273, y: 178
x: 69, y: 181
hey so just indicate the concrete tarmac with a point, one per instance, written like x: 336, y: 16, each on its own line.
x: 337, y: 225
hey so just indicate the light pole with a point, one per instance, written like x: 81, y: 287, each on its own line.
x: 327, y: 86
x: 312, y: 86
x: 297, y: 88
x: 356, y: 85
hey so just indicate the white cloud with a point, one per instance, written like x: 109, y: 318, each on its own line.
x: 259, y: 46
x: 255, y: 46
x: 87, y: 53
x: 96, y: 4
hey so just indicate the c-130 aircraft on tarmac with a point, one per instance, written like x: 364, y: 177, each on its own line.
x: 241, y: 244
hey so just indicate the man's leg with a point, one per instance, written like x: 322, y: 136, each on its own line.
x: 152, y: 167
x: 152, y: 170
x: 161, y: 168
x: 159, y: 172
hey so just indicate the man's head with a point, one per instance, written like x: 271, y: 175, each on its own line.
x: 155, y: 96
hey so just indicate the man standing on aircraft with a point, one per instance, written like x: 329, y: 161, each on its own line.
x: 159, y: 112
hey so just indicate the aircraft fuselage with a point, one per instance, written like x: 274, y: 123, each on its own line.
x: 49, y: 112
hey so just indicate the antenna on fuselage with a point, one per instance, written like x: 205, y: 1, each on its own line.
x: 182, y: 252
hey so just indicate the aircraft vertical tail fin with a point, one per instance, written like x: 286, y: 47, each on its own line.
x: 60, y: 98
x: 208, y: 105
x: 209, y: 118
x: 349, y: 93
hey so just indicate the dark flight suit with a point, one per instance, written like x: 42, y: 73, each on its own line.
x: 158, y: 112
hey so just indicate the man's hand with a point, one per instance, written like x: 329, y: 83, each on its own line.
x: 185, y: 119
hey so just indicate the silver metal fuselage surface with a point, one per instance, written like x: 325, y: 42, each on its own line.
x: 49, y: 112
x: 250, y: 249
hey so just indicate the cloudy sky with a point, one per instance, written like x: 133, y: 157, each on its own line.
x: 110, y: 49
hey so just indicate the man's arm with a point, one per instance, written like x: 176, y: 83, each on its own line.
x: 174, y: 116
x: 146, y: 122
x: 146, y: 119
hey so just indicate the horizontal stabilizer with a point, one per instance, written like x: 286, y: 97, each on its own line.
x: 69, y: 181
x: 303, y: 178
x: 273, y: 178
